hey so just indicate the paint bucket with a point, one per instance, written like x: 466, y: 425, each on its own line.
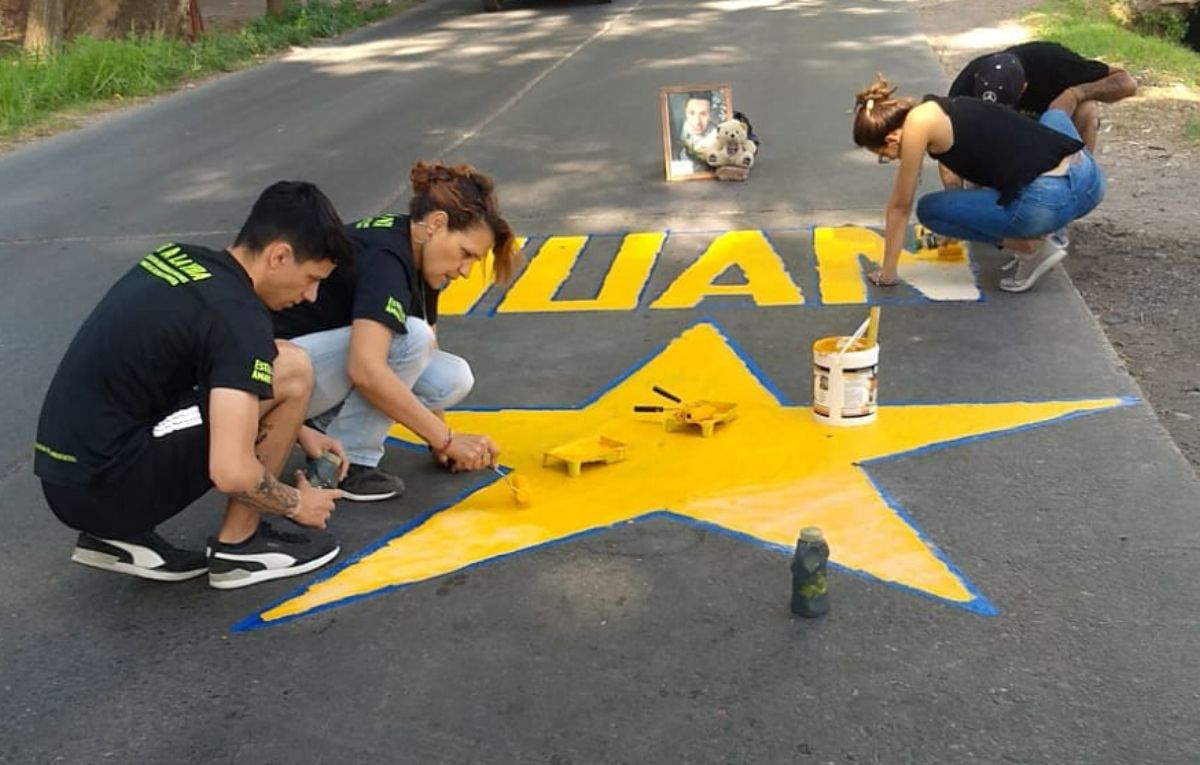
x: 845, y: 384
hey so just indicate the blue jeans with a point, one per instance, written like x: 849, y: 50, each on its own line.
x: 1047, y: 204
x: 438, y: 379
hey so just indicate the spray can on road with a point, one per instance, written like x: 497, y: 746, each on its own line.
x: 810, y: 585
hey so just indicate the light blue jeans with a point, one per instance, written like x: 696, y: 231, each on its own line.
x: 438, y: 379
x: 1047, y: 204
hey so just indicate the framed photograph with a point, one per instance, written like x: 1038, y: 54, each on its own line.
x: 690, y: 115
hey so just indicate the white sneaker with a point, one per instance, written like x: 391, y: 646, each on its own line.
x: 1031, y: 267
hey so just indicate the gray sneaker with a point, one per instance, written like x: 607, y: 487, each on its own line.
x: 370, y: 484
x: 1032, y: 267
x: 1062, y: 238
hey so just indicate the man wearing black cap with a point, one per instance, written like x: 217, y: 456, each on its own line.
x: 1031, y: 75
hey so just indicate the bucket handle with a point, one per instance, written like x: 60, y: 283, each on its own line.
x: 858, y: 333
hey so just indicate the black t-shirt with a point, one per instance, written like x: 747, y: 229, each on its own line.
x: 998, y: 148
x: 383, y: 284
x: 1049, y: 68
x: 181, y: 322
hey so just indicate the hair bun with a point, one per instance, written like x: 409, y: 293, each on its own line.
x: 425, y: 175
x: 875, y: 93
x: 419, y: 178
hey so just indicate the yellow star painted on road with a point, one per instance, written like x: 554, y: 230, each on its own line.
x: 761, y: 477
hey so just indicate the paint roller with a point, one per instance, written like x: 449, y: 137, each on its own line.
x: 696, y: 411
x: 521, y: 490
x: 651, y: 408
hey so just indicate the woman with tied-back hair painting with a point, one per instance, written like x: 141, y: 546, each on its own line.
x: 371, y: 333
x: 1027, y: 179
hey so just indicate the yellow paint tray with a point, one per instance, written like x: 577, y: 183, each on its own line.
x: 945, y: 249
x: 705, y: 415
x: 576, y: 454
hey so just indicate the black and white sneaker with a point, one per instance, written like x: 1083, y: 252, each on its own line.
x: 269, y: 554
x: 370, y: 484
x: 145, y: 555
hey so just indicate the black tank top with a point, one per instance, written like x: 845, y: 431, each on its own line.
x: 999, y: 148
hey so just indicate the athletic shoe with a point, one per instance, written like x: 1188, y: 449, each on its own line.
x: 1062, y: 238
x: 146, y: 555
x: 370, y: 484
x: 268, y: 554
x: 1031, y: 267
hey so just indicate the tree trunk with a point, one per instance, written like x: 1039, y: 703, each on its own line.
x: 276, y: 7
x: 113, y: 19
x: 44, y: 25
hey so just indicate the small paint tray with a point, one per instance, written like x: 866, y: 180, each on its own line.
x: 580, y: 452
x: 705, y: 415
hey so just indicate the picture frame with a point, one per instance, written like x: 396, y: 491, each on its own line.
x: 683, y: 108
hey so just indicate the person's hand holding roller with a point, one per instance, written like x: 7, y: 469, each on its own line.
x: 467, y: 451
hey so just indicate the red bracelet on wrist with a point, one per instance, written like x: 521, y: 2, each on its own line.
x: 449, y: 440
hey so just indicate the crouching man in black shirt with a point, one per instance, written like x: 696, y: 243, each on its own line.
x: 175, y: 384
x: 1027, y: 77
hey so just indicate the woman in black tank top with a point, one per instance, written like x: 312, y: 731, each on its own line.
x: 1027, y: 179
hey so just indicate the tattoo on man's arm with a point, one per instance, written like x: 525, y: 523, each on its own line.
x: 271, y: 495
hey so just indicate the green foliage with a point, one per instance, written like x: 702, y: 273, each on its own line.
x: 1161, y: 23
x: 1090, y: 28
x: 33, y: 89
x: 1192, y: 130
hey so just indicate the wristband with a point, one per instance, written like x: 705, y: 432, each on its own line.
x: 449, y: 440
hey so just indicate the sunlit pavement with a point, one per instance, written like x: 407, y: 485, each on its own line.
x: 1013, y: 538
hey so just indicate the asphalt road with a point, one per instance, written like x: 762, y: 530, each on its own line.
x: 651, y: 642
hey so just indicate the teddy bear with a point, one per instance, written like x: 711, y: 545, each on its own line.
x: 733, y: 149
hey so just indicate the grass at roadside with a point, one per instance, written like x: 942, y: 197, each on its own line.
x: 34, y: 91
x: 1192, y: 131
x: 1088, y: 27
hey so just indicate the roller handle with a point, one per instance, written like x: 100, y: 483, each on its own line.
x: 667, y: 394
x: 648, y: 408
x: 873, y: 328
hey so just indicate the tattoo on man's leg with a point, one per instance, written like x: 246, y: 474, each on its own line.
x: 271, y: 495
